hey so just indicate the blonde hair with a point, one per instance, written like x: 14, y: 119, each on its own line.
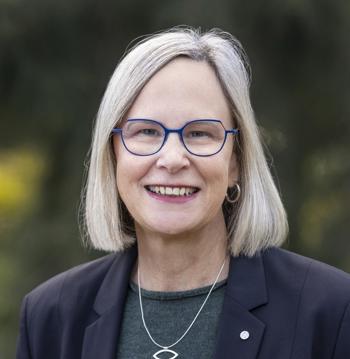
x: 258, y: 220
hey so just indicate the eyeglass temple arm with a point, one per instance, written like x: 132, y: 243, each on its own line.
x: 233, y: 131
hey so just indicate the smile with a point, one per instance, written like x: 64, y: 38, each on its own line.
x: 172, y: 191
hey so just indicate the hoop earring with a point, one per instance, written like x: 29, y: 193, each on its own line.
x: 237, y: 194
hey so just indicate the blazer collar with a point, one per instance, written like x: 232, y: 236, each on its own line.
x: 115, y: 285
x: 101, y: 337
x: 240, y: 332
x: 246, y: 290
x: 246, y: 281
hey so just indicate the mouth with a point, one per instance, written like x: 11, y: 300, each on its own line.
x: 173, y: 191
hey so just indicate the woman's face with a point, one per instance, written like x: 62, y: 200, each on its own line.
x: 181, y: 91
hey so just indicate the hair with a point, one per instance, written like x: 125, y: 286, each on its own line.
x: 258, y: 219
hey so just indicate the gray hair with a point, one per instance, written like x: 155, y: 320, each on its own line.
x: 258, y: 219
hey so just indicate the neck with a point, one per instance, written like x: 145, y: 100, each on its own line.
x: 181, y: 262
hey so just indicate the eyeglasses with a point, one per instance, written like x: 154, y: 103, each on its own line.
x: 144, y: 137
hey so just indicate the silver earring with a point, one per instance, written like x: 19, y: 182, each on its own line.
x: 237, y: 194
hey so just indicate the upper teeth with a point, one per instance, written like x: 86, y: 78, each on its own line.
x: 172, y: 191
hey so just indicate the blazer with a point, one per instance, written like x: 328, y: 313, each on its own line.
x: 277, y: 305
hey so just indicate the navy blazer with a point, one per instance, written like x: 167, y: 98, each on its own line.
x: 292, y: 307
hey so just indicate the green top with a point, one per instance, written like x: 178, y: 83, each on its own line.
x: 167, y: 316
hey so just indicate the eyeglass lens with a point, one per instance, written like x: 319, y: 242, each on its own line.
x: 200, y: 137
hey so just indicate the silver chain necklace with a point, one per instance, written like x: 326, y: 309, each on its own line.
x: 166, y: 349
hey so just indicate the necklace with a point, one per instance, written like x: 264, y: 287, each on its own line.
x: 166, y: 349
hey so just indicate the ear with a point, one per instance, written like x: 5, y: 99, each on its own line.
x: 233, y: 171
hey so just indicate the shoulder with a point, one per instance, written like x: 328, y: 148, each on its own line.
x: 291, y: 263
x: 308, y: 276
x: 54, y: 315
x: 312, y: 299
x: 81, y: 280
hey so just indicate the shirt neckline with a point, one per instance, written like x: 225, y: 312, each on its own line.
x: 160, y: 295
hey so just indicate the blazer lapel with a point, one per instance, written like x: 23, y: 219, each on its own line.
x: 240, y: 332
x: 101, y: 336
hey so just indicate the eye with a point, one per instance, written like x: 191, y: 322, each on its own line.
x: 149, y: 132
x: 203, y: 131
x: 198, y: 134
x: 142, y: 129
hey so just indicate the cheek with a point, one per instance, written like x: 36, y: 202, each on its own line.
x: 127, y: 178
x: 216, y: 175
x: 127, y: 168
x: 224, y: 170
x: 130, y: 173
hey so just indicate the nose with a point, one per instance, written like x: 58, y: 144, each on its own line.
x: 173, y: 156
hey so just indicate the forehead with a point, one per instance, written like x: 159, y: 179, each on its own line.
x: 182, y: 90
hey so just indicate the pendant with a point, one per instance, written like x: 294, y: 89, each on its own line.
x: 165, y: 350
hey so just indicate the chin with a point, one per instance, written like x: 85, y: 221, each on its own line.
x: 170, y: 227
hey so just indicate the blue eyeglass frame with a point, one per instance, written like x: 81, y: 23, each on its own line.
x: 179, y: 131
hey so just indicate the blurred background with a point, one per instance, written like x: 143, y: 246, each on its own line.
x: 56, y: 58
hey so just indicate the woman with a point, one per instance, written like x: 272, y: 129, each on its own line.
x: 179, y: 187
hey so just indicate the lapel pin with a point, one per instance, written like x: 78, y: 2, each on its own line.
x: 244, y: 335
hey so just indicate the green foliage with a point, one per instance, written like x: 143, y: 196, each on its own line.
x: 55, y: 61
